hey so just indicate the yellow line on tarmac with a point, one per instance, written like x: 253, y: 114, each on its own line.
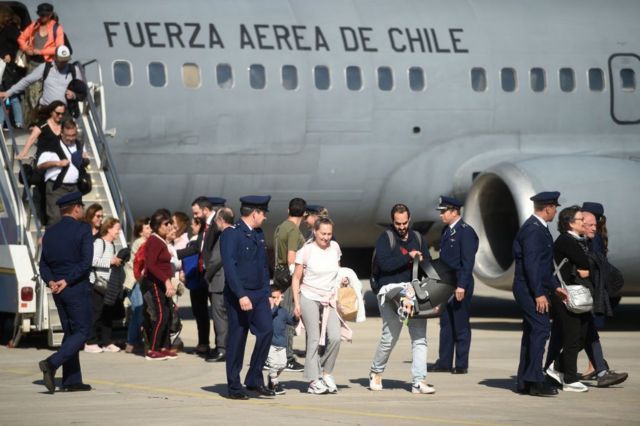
x: 272, y: 403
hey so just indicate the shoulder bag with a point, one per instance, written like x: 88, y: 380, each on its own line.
x: 579, y: 299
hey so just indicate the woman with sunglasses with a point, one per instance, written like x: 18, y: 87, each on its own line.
x: 48, y: 133
x: 93, y: 216
x: 157, y: 288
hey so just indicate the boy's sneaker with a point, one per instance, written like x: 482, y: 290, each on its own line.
x: 422, y: 387
x: 375, y: 381
x: 93, y: 349
x: 276, y: 388
x: 317, y: 387
x: 575, y: 387
x: 328, y: 381
x: 155, y: 356
x: 267, y: 366
x: 111, y: 348
x: 293, y: 365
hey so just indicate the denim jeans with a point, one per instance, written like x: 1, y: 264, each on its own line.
x: 391, y: 328
x: 17, y: 111
x: 134, y: 335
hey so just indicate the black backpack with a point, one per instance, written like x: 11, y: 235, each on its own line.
x: 374, y: 280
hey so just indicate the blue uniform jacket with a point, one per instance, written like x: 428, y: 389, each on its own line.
x: 67, y: 252
x: 533, y: 256
x: 244, y: 259
x: 395, y: 265
x: 458, y: 251
x: 281, y: 318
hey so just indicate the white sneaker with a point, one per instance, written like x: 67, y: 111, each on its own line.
x: 111, y: 348
x: 575, y: 387
x: 555, y: 374
x: 93, y: 349
x: 422, y: 387
x: 328, y: 381
x: 317, y: 387
x: 375, y: 381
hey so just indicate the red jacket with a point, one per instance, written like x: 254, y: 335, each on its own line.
x: 157, y: 260
x: 25, y: 41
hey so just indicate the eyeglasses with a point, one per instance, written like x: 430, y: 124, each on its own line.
x: 99, y: 216
x: 167, y: 223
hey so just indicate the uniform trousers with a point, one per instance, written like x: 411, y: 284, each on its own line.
x: 74, y: 309
x: 455, y: 333
x: 220, y: 319
x: 260, y: 322
x: 574, y: 333
x: 200, y: 310
x: 315, y: 364
x: 158, y: 310
x: 535, y: 332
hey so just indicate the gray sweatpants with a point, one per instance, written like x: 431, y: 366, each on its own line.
x: 315, y: 364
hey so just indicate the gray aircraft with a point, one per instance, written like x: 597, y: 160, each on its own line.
x: 359, y: 104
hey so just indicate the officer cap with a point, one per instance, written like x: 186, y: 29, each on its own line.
x: 217, y: 201
x: 256, y: 202
x: 547, y: 197
x: 70, y: 199
x: 447, y: 203
x: 44, y: 9
x: 314, y: 208
x: 596, y: 208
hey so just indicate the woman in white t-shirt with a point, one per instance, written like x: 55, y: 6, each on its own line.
x: 315, y: 287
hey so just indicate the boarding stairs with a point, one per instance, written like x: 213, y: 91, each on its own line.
x: 22, y: 291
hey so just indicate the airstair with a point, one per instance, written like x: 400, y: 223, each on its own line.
x: 25, y: 300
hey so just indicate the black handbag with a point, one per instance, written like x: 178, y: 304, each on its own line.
x: 281, y: 277
x: 84, y: 181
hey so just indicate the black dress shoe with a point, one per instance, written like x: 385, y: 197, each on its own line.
x: 539, y: 389
x: 77, y: 387
x: 459, y: 370
x: 438, y: 369
x: 48, y: 375
x: 261, y: 390
x: 216, y: 356
x: 241, y: 396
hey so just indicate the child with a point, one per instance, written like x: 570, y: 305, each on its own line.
x: 277, y: 359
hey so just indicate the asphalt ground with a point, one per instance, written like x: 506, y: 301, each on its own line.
x: 188, y: 391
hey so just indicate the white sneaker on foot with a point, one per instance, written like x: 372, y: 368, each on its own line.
x: 575, y: 387
x: 375, y: 381
x: 317, y: 387
x: 555, y: 374
x: 93, y: 349
x: 422, y: 387
x: 328, y: 381
x: 111, y: 348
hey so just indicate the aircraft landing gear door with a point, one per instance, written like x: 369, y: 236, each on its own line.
x: 624, y: 75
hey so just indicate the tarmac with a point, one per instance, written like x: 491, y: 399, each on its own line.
x: 188, y: 391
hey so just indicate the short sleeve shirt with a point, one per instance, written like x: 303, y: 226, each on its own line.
x: 287, y: 238
x: 321, y: 268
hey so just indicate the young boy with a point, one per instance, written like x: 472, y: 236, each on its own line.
x: 277, y: 359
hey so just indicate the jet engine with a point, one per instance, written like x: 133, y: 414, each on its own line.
x: 498, y: 203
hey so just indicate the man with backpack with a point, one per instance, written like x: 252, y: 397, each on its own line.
x: 392, y: 264
x: 55, y: 76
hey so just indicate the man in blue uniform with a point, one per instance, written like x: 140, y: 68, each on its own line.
x: 244, y: 259
x: 458, y: 247
x: 533, y: 280
x: 67, y: 252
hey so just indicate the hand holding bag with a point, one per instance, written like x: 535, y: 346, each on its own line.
x: 347, y: 303
x: 579, y: 299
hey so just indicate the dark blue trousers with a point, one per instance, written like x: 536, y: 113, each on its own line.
x: 535, y: 332
x: 74, y: 309
x: 260, y: 323
x: 455, y: 333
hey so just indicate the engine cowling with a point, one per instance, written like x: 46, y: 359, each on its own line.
x: 498, y: 203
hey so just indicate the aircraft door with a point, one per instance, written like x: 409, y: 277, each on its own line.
x: 624, y: 72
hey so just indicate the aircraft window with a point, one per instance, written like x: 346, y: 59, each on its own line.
x: 596, y: 80
x: 628, y: 77
x: 257, y: 77
x: 157, y: 74
x: 416, y: 79
x: 322, y: 77
x: 538, y: 79
x: 385, y: 78
x: 478, y: 79
x: 508, y: 79
x: 354, y: 78
x: 567, y: 80
x: 191, y: 75
x: 224, y: 75
x: 289, y: 77
x: 122, y: 73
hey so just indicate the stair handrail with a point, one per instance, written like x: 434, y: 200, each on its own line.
x: 108, y: 166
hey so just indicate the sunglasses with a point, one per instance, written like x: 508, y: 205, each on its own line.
x: 167, y: 223
x: 58, y: 112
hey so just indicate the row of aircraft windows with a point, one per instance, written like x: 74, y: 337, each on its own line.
x: 191, y: 77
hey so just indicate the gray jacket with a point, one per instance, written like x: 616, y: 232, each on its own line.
x: 53, y: 88
x: 214, y: 273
